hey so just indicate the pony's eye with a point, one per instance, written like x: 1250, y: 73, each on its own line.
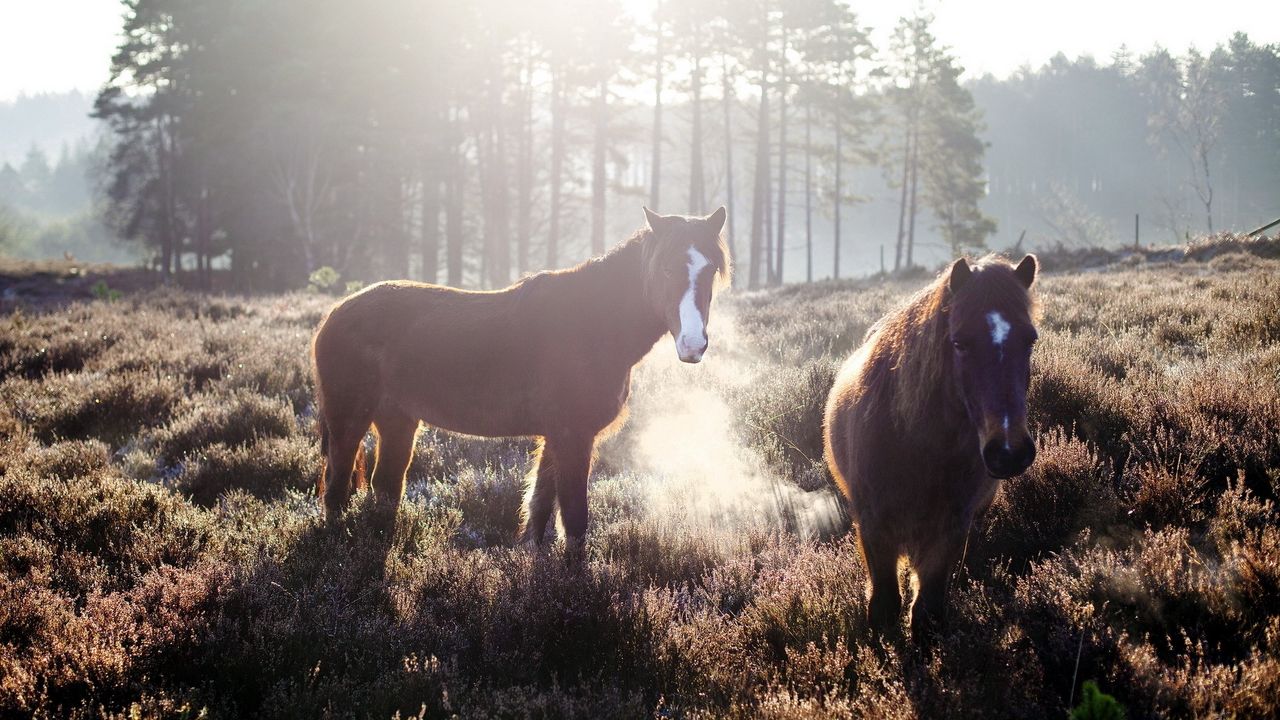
x: 961, y: 346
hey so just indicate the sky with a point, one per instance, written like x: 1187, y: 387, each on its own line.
x: 60, y: 45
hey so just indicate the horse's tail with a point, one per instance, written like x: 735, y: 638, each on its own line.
x: 323, y: 427
x: 359, y: 477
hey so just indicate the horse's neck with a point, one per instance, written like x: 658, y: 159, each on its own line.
x: 613, y: 308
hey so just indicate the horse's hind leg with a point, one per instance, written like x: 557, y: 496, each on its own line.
x: 340, y: 464
x: 396, y: 432
x: 539, y: 498
x: 884, y: 606
x: 573, y: 467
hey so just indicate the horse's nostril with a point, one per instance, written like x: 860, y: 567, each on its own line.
x: 1028, y: 454
x: 1001, y: 461
x: 1004, y: 462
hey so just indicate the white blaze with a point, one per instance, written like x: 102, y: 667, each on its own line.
x: 692, y: 327
x: 999, y: 328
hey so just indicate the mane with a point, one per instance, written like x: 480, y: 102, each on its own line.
x: 718, y: 256
x: 910, y: 347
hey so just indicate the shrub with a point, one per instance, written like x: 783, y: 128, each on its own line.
x: 233, y: 419
x: 1066, y: 491
x: 265, y: 468
x: 108, y: 406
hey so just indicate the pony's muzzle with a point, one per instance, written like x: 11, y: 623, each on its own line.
x: 692, y: 349
x: 1004, y: 461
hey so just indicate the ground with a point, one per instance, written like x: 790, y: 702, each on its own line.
x: 162, y: 553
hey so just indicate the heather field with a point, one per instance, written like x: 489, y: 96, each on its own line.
x: 162, y: 553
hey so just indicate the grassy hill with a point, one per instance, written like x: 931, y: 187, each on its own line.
x: 160, y: 554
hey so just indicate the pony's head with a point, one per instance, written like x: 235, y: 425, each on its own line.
x: 992, y: 331
x: 685, y: 261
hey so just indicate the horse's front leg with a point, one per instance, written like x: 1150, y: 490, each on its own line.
x: 573, y: 465
x: 934, y: 564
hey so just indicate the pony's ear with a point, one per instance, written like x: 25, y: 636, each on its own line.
x: 960, y: 274
x: 653, y: 218
x: 1026, y: 271
x: 717, y: 219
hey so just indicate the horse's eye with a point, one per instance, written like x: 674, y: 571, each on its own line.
x: 961, y: 346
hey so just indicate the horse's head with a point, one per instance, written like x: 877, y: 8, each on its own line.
x: 992, y: 332
x: 685, y: 259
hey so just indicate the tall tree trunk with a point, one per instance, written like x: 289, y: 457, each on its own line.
x: 915, y: 174
x: 598, y: 170
x: 838, y: 191
x: 500, y: 270
x: 454, y: 190
x: 697, y: 203
x: 727, y: 101
x: 164, y: 163
x: 781, y: 245
x: 655, y: 171
x: 808, y: 190
x: 524, y: 172
x: 395, y: 251
x: 491, y: 154
x: 761, y: 194
x: 430, y: 219
x: 557, y: 165
x: 768, y: 227
x: 204, y: 231
x: 902, y: 202
x: 1206, y: 196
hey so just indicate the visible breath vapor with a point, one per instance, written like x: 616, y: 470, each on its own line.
x: 686, y: 447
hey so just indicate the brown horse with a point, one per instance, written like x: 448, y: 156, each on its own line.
x: 923, y: 422
x: 549, y: 357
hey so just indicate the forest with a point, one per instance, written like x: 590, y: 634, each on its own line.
x: 473, y: 143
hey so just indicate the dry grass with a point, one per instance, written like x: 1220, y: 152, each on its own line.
x: 160, y: 554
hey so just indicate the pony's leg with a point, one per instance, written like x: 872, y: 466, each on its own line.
x: 396, y: 432
x: 884, y: 607
x: 573, y: 466
x: 934, y: 564
x: 340, y: 465
x: 539, y: 498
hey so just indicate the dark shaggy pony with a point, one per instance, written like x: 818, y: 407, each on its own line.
x: 549, y: 357
x: 925, y: 419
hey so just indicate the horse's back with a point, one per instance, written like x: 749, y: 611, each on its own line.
x: 461, y: 360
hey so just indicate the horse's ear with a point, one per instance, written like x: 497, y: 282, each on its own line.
x: 717, y: 219
x: 960, y: 274
x: 1026, y: 271
x: 653, y: 218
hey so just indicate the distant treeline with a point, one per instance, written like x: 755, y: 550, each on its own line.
x: 470, y: 143
x: 48, y: 208
x: 1190, y: 142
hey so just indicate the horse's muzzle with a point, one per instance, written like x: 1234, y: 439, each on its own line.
x: 691, y: 351
x: 1004, y: 462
